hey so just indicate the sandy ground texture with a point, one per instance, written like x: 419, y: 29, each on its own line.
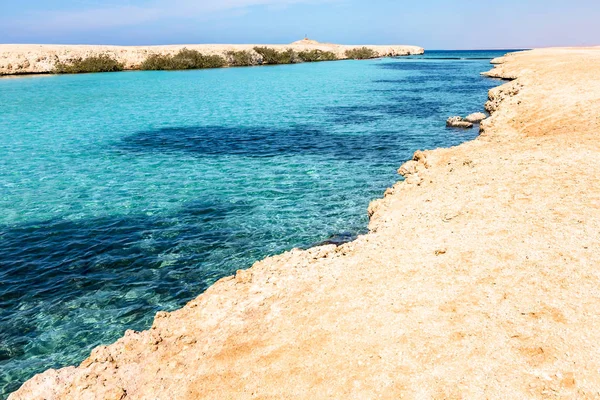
x: 480, y: 279
x: 18, y: 59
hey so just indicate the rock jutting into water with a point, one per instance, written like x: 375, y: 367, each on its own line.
x: 475, y: 118
x: 467, y: 122
x: 458, y: 122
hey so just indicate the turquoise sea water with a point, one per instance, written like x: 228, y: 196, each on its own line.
x: 123, y: 194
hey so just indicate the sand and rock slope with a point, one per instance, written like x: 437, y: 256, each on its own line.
x: 480, y: 279
x: 17, y: 59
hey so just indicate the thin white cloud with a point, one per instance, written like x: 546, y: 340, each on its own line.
x: 96, y: 16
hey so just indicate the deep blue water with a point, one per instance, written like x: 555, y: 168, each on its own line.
x: 123, y: 194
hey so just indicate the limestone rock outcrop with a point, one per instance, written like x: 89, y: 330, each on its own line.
x: 475, y: 118
x: 458, y: 122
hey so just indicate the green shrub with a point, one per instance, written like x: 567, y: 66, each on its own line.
x: 99, y: 63
x: 184, y: 59
x: 240, y: 58
x: 192, y: 59
x: 272, y: 56
x: 361, y: 53
x: 157, y: 62
x: 316, y: 55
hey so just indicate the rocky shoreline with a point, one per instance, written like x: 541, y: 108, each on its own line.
x: 478, y: 278
x: 23, y: 59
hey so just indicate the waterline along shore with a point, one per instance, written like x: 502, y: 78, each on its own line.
x: 22, y: 59
x: 478, y: 278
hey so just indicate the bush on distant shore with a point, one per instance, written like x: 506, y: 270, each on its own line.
x: 272, y: 56
x: 184, y: 59
x: 156, y: 62
x: 99, y: 63
x: 361, y: 53
x: 193, y: 59
x: 242, y: 58
x: 316, y: 55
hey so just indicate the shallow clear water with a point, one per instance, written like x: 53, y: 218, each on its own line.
x: 127, y: 193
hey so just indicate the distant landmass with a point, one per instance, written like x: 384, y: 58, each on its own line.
x: 17, y: 59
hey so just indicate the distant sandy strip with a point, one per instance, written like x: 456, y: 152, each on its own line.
x: 16, y: 59
x: 480, y: 279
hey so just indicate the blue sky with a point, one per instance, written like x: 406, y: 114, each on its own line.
x: 433, y: 24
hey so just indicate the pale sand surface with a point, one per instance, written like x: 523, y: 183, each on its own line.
x: 480, y: 279
x: 41, y: 58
